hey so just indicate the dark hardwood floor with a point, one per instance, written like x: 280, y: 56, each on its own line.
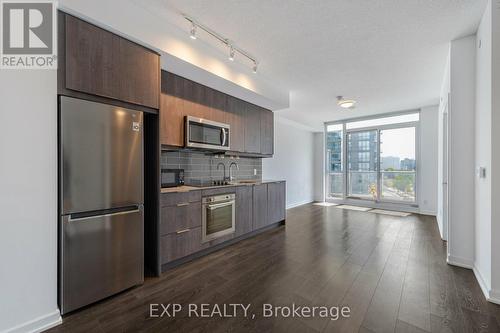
x: 390, y: 271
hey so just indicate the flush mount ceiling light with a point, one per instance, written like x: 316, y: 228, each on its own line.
x: 345, y: 103
x: 233, y: 49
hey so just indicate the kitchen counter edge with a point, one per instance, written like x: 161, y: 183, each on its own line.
x: 186, y: 188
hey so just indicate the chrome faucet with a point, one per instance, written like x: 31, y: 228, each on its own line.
x: 224, y: 167
x: 230, y: 174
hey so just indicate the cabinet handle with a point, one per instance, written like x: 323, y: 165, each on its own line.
x: 182, y: 231
x: 182, y: 204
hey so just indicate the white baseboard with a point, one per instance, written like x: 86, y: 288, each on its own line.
x: 440, y: 227
x: 482, y: 283
x: 39, y: 324
x: 460, y: 262
x: 296, y: 204
x: 492, y: 296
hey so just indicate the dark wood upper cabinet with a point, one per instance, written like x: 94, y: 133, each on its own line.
x: 172, y: 105
x: 276, y: 202
x: 267, y: 132
x: 101, y: 63
x: 219, y: 105
x: 235, y: 117
x: 252, y: 129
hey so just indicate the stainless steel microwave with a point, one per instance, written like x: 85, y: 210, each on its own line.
x: 203, y: 133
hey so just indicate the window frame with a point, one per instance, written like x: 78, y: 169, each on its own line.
x: 380, y: 202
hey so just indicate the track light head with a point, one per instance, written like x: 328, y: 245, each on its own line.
x: 254, y: 68
x: 193, y: 31
x: 207, y: 32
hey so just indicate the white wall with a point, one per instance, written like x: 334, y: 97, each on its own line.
x: 461, y: 150
x: 293, y: 161
x: 428, y: 163
x: 495, y: 158
x: 445, y: 89
x: 319, y: 166
x: 487, y: 228
x: 28, y: 200
x: 483, y: 151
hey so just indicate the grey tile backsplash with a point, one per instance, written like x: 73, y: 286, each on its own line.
x: 202, y: 166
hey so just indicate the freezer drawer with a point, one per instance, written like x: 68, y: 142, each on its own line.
x: 101, y: 149
x: 100, y: 256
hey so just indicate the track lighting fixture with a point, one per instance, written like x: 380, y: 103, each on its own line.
x: 231, y: 52
x: 193, y: 31
x: 233, y: 49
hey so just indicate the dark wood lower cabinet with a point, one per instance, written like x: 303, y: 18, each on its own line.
x: 173, y: 199
x: 260, y: 218
x: 257, y: 206
x: 178, y: 245
x: 244, y: 210
x: 180, y: 217
x: 180, y: 226
x: 276, y: 201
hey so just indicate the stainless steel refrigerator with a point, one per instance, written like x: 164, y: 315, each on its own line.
x: 101, y: 243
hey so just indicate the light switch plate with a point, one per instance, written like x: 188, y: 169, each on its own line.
x: 481, y: 171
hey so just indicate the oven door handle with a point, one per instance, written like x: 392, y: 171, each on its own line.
x: 219, y: 205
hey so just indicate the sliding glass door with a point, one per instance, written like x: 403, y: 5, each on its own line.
x: 362, y: 164
x: 334, y: 161
x: 398, y: 164
x: 372, y: 159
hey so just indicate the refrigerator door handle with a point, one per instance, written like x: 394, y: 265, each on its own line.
x: 71, y: 219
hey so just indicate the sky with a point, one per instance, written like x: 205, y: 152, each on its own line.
x: 399, y: 142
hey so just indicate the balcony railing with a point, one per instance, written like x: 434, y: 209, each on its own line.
x: 335, y: 185
x: 395, y: 185
x: 398, y: 185
x: 362, y: 184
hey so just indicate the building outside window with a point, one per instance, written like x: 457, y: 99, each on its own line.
x: 380, y: 155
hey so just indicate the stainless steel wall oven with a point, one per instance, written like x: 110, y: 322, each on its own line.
x: 218, y: 216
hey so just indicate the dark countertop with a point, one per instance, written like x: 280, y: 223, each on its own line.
x: 186, y: 188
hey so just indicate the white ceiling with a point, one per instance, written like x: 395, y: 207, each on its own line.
x: 389, y: 55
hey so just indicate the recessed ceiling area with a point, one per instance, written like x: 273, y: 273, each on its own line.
x: 388, y: 55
